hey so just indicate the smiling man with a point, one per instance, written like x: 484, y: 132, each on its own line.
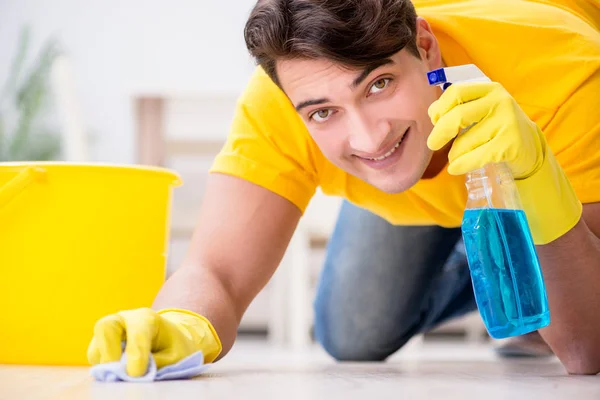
x: 341, y: 101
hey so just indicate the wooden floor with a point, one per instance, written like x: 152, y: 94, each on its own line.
x: 255, y: 371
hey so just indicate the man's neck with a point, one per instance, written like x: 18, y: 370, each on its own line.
x: 438, y: 162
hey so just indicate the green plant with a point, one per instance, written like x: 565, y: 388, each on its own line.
x: 23, y: 134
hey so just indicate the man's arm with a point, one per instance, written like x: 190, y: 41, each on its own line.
x: 571, y: 267
x: 242, y: 234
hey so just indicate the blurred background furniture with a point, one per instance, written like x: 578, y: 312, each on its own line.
x: 185, y: 133
x: 75, y: 141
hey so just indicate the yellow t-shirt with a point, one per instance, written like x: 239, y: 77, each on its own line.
x: 546, y: 53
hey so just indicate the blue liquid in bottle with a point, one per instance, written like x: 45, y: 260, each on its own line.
x: 505, y: 271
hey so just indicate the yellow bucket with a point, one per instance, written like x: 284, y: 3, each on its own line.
x: 77, y: 242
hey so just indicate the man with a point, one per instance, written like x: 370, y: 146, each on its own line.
x: 341, y: 101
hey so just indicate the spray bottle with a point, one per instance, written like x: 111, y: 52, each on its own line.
x: 505, y: 270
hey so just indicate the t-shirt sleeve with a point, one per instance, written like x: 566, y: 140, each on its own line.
x: 574, y: 136
x: 268, y: 144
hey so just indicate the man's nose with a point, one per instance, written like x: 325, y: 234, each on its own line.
x: 367, y: 136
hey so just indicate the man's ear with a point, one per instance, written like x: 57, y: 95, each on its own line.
x: 427, y: 45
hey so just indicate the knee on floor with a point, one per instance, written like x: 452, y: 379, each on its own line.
x: 354, y: 346
x: 352, y: 353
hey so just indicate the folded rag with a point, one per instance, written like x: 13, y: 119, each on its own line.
x: 189, y: 367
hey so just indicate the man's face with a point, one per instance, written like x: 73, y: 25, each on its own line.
x: 371, y: 123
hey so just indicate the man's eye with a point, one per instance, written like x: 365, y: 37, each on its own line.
x: 321, y: 115
x: 379, y: 85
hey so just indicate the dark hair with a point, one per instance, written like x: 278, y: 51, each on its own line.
x: 353, y: 33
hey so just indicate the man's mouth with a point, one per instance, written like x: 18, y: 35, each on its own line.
x: 386, y: 155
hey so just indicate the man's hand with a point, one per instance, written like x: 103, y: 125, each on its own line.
x: 500, y: 131
x: 170, y: 335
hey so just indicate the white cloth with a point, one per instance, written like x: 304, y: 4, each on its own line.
x: 189, y: 367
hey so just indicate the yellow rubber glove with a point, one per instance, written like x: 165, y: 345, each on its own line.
x: 170, y: 335
x: 499, y: 130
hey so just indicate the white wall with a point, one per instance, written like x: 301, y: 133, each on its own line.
x: 122, y: 48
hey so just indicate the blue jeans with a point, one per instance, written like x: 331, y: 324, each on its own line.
x: 382, y: 284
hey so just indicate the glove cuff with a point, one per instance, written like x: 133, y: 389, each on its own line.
x: 549, y: 201
x: 198, y: 326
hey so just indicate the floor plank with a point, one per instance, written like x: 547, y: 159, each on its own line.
x: 254, y: 370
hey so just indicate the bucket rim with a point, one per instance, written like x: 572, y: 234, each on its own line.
x: 176, y: 178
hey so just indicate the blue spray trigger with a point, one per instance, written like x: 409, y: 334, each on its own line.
x: 436, y: 76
